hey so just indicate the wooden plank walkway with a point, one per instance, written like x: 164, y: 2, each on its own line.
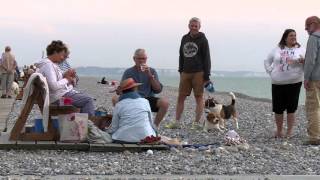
x: 5, y: 144
x: 5, y: 109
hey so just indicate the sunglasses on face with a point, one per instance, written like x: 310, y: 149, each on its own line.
x: 141, y: 58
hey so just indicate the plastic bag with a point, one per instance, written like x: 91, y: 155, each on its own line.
x: 73, y: 127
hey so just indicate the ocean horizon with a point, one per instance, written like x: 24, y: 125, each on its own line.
x: 259, y: 87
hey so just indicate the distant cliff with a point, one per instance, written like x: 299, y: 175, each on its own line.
x: 102, y: 71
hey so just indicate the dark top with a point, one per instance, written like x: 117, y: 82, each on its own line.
x: 145, y: 90
x: 194, y: 55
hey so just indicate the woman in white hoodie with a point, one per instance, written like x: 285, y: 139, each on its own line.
x: 285, y: 66
x: 61, y: 85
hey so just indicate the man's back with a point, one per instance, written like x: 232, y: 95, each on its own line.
x: 312, y: 63
x: 8, y: 62
x: 134, y: 120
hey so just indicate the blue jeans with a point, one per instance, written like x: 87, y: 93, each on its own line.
x: 82, y: 101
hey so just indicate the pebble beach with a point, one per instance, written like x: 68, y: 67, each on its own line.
x: 262, y: 154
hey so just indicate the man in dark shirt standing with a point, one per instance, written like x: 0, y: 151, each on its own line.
x: 194, y: 69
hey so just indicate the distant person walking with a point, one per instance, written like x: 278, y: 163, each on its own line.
x: 312, y: 79
x: 284, y: 64
x: 194, y: 69
x: 8, y: 67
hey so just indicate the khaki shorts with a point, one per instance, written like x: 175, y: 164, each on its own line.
x: 189, y: 81
x: 313, y: 110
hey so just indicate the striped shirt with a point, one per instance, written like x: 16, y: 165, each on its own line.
x: 64, y: 67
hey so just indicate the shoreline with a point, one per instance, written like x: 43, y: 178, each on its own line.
x: 238, y: 94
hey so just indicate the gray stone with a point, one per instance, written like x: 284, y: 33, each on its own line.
x: 175, y: 150
x: 244, y: 147
x: 264, y: 156
x: 232, y: 149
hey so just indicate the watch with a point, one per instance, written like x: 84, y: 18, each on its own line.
x: 152, y: 77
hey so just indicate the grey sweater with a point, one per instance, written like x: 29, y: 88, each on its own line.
x: 312, y: 58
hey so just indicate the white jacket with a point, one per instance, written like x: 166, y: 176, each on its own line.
x: 282, y: 72
x: 58, y: 86
x: 132, y: 120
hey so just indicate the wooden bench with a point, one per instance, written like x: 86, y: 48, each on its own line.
x: 52, y: 134
x: 5, y: 144
x: 37, y: 98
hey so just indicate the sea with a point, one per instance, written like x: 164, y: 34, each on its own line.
x: 259, y: 87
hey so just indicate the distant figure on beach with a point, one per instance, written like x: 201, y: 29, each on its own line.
x: 132, y: 116
x: 17, y: 73
x: 312, y: 79
x: 284, y: 64
x: 194, y: 69
x: 151, y: 85
x: 103, y: 80
x: 7, y: 69
x: 65, y: 66
x: 61, y: 85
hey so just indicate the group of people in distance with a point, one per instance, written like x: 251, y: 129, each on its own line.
x: 289, y: 64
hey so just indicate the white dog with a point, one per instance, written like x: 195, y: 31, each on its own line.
x: 15, y: 88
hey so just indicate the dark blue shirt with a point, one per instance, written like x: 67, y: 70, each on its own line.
x: 145, y: 90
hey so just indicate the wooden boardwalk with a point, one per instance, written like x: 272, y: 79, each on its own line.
x: 5, y: 144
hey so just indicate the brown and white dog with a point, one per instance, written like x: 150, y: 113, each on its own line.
x: 217, y: 114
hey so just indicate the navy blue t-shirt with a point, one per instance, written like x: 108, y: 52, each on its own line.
x: 145, y: 89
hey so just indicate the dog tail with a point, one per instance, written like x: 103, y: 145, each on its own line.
x: 233, y: 98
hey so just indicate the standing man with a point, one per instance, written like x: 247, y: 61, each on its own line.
x: 8, y: 67
x: 194, y: 69
x: 151, y: 85
x: 312, y: 79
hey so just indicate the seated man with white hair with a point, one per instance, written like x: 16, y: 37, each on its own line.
x: 151, y: 85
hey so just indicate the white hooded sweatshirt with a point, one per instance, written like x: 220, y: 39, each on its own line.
x: 58, y: 86
x: 278, y: 65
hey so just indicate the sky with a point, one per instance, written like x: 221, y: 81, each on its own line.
x: 105, y: 33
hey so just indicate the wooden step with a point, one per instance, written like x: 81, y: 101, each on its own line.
x: 5, y: 144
